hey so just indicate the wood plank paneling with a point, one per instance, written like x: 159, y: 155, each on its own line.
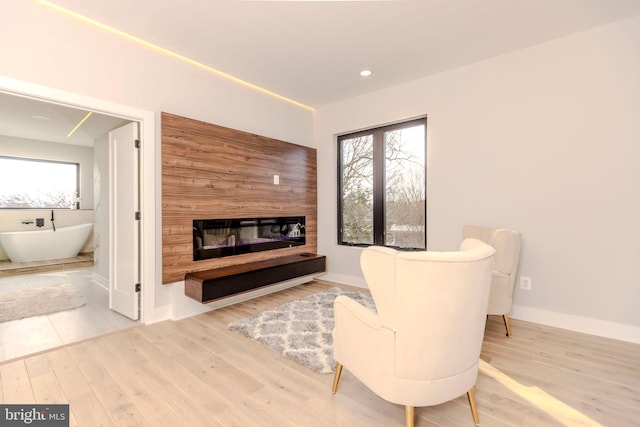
x: 210, y: 171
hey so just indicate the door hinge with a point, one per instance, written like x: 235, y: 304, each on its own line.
x: 138, y: 215
x: 137, y: 143
x: 138, y: 287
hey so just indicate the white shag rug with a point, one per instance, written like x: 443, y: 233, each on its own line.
x: 301, y: 329
x: 39, y: 301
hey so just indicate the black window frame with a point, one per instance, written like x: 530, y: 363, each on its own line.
x: 379, y: 181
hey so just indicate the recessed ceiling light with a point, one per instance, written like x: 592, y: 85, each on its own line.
x: 36, y: 117
x: 365, y: 73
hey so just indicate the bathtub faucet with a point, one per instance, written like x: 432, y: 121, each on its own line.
x: 27, y: 222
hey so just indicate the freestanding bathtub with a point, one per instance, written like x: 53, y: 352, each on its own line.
x: 65, y: 242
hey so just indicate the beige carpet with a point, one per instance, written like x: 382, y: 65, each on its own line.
x: 38, y: 301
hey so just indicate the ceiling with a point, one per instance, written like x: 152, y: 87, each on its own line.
x: 30, y: 118
x: 312, y: 51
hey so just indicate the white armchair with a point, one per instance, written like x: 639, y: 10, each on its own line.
x: 422, y: 347
x: 507, y: 245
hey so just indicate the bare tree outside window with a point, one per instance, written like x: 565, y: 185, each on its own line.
x: 405, y: 188
x: 357, y: 190
x: 382, y: 186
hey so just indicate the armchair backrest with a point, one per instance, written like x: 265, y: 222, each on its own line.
x: 506, y: 243
x: 436, y: 302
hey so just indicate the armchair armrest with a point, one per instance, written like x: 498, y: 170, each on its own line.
x: 360, y: 341
x: 349, y: 308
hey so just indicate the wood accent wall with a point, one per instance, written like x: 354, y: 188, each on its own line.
x: 210, y: 171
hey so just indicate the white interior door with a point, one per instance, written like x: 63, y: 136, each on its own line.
x: 124, y: 228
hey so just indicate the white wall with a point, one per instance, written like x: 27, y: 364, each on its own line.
x: 101, y: 208
x: 544, y: 140
x: 59, y: 52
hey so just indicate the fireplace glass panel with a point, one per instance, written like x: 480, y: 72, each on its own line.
x: 215, y: 238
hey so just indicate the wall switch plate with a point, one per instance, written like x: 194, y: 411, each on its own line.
x: 525, y: 283
x: 276, y: 179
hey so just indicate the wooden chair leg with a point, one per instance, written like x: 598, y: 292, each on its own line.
x: 471, y: 395
x: 409, y: 412
x: 336, y: 377
x: 505, y: 318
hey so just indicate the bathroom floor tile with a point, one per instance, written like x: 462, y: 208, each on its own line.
x: 38, y: 333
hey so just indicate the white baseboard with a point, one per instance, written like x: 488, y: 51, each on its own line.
x: 100, y: 280
x: 342, y: 279
x: 157, y: 314
x: 613, y: 330
x: 183, y: 307
x: 587, y: 325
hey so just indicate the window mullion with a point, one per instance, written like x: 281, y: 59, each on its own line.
x: 378, y: 188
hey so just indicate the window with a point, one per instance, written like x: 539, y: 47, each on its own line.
x: 382, y: 186
x: 32, y: 183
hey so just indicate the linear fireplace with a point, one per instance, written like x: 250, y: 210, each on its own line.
x: 215, y: 238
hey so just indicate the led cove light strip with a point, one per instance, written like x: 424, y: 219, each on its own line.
x: 79, y: 124
x: 169, y: 53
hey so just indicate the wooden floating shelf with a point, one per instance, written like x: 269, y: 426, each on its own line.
x: 210, y: 285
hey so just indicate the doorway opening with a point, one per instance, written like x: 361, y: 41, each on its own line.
x: 80, y: 270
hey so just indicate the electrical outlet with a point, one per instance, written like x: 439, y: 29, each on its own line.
x: 525, y: 283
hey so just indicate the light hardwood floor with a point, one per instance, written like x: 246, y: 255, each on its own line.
x: 195, y: 372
